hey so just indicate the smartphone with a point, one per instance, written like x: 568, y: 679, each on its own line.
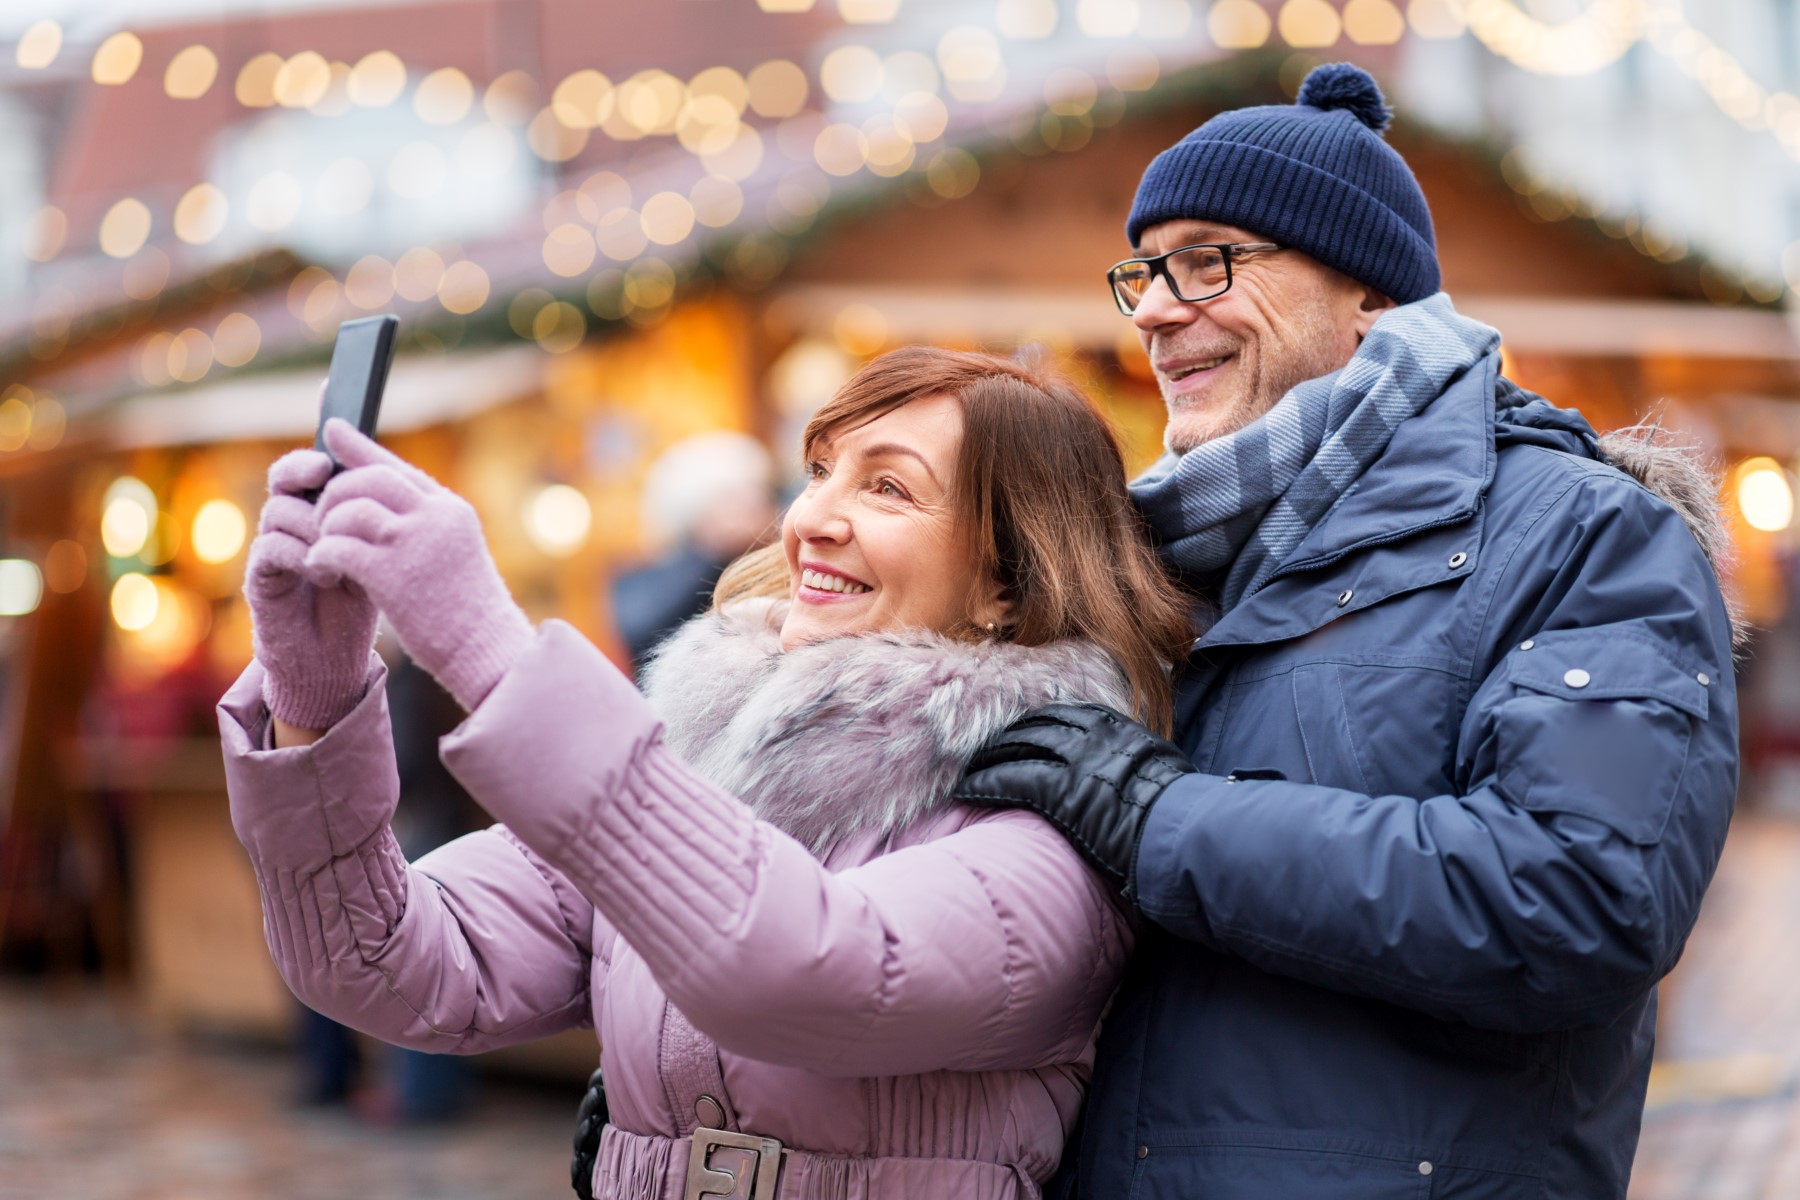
x: 359, y: 371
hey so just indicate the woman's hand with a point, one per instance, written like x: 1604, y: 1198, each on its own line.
x: 313, y: 642
x: 416, y: 547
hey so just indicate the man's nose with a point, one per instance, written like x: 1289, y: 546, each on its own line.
x: 1160, y: 307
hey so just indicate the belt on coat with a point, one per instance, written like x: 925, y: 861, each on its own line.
x: 633, y: 1166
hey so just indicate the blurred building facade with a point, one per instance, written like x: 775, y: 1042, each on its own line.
x: 609, y: 227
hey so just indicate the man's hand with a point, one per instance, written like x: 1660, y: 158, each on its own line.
x: 1089, y: 771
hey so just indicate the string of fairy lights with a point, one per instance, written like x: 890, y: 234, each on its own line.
x: 736, y: 123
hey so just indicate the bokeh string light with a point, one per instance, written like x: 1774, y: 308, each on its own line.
x: 653, y: 102
x: 557, y: 519
x: 134, y: 601
x: 1764, y: 495
x: 16, y: 415
x: 219, y: 531
x: 117, y: 59
x: 190, y: 74
x: 236, y: 340
x: 1595, y: 38
x: 200, y: 214
x: 15, y: 423
x: 21, y: 586
x: 708, y: 116
x: 39, y: 45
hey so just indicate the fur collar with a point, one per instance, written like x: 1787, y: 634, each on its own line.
x: 854, y: 734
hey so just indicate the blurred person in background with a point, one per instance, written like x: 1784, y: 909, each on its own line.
x: 806, y: 968
x: 1457, y: 759
x: 707, y: 500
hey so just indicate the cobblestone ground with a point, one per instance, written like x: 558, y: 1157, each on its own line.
x: 95, y: 1104
x: 1723, y: 1120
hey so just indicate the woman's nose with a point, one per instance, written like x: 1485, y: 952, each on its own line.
x: 819, y: 515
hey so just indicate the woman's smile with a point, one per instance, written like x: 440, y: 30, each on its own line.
x: 820, y: 584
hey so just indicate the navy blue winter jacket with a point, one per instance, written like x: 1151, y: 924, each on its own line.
x: 1496, y: 685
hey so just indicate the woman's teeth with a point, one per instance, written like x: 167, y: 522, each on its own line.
x: 830, y: 583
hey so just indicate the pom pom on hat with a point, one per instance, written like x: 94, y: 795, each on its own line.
x: 1342, y: 85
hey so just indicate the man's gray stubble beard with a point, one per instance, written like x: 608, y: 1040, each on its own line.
x: 1267, y: 391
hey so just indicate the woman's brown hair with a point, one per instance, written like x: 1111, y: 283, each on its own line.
x: 1040, y: 485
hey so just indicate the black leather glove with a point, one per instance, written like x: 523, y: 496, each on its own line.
x: 1091, y: 772
x: 590, y: 1119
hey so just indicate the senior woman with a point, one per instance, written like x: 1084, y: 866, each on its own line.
x: 811, y: 973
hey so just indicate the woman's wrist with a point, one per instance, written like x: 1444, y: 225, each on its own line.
x: 316, y: 693
x: 294, y: 735
x: 478, y: 664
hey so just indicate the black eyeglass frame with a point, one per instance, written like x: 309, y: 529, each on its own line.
x: 1159, y: 265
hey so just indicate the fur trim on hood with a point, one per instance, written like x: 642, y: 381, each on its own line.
x: 1680, y: 475
x: 859, y: 733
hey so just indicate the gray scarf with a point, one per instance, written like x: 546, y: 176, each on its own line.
x: 855, y: 734
x: 1230, y: 511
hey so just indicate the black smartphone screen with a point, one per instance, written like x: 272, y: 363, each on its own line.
x: 359, y: 371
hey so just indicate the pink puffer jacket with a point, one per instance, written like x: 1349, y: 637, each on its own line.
x: 914, y: 1015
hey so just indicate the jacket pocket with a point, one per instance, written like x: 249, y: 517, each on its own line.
x: 1233, y: 1165
x: 1598, y: 725
x: 1322, y: 712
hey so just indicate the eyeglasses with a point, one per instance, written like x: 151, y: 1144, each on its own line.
x: 1193, y: 273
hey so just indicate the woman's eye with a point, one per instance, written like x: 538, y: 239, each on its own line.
x: 888, y: 487
x: 815, y: 470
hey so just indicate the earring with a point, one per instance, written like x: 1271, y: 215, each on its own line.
x: 990, y: 627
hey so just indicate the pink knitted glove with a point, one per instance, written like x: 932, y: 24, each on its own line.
x: 313, y: 642
x: 417, y: 548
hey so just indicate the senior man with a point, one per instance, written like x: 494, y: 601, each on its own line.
x: 1456, y: 759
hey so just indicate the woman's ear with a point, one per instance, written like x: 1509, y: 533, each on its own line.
x: 993, y: 610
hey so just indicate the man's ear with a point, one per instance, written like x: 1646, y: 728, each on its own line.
x: 1370, y: 305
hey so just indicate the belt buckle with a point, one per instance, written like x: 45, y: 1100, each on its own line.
x: 704, y: 1180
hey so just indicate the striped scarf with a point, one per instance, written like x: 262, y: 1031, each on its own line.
x: 1230, y: 511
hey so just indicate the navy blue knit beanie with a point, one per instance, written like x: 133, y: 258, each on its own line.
x: 1315, y: 175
